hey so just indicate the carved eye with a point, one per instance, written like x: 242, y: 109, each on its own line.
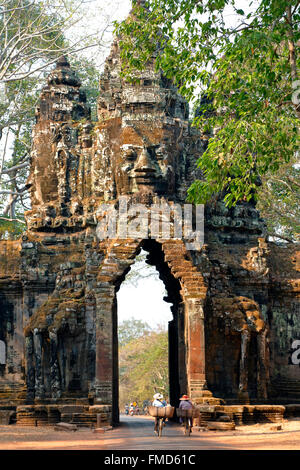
x: 130, y: 154
x: 161, y: 153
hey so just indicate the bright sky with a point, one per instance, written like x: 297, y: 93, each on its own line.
x: 144, y: 301
x: 98, y: 19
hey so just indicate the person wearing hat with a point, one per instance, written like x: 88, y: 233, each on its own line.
x: 185, y: 404
x: 159, y: 402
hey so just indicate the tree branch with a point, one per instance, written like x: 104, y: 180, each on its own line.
x: 13, y: 220
x: 276, y: 235
x: 16, y: 167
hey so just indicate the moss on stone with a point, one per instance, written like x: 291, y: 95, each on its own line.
x: 61, y: 308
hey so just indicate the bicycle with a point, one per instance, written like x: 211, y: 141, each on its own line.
x: 187, y: 425
x: 187, y: 417
x: 160, y: 414
x: 158, y: 427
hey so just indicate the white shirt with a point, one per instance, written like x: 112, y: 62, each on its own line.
x: 157, y: 403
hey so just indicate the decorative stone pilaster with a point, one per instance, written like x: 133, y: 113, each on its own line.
x: 38, y: 350
x: 196, y: 351
x: 262, y: 365
x: 243, y: 382
x: 104, y: 345
x: 29, y: 367
x: 90, y: 344
x: 54, y: 367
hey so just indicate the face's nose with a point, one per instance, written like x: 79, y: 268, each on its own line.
x: 145, y: 163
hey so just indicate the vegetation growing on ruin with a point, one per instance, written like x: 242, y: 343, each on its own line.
x: 56, y: 312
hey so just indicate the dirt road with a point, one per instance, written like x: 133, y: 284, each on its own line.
x: 136, y: 433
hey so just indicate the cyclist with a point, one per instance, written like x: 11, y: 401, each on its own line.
x: 159, y: 402
x: 185, y: 404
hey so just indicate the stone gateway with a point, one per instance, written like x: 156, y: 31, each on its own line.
x: 235, y: 301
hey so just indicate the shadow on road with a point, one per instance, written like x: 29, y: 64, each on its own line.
x: 137, y: 433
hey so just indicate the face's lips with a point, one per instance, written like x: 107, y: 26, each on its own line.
x: 144, y: 171
x: 150, y: 180
x: 146, y: 181
x: 145, y: 176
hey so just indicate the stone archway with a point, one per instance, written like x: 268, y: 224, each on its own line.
x: 186, y: 290
x: 176, y: 326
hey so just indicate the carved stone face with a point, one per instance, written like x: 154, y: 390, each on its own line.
x: 145, y: 160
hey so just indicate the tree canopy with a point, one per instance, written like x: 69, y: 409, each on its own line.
x: 239, y: 66
x: 132, y: 329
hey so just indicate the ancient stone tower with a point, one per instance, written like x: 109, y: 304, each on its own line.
x: 235, y: 300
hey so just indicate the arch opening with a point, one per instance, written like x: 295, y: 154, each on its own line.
x: 170, y: 300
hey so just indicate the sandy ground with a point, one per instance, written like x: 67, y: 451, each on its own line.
x: 136, y: 433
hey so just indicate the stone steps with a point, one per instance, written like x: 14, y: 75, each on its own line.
x: 244, y: 414
x: 287, y: 388
x: 84, y: 419
x: 49, y: 415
